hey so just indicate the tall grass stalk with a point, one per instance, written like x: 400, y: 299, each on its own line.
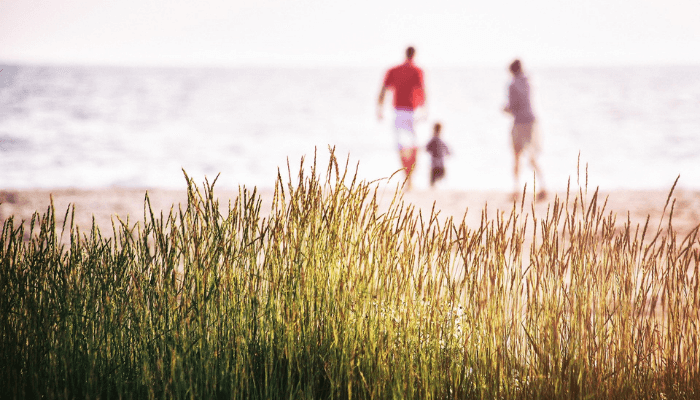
x: 335, y: 295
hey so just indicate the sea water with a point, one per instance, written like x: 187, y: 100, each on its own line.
x: 96, y: 127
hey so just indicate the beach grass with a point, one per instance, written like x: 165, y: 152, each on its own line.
x: 335, y: 296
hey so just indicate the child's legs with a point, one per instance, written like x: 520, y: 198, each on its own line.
x: 436, y: 173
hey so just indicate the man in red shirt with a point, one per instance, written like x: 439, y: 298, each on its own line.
x: 406, y: 80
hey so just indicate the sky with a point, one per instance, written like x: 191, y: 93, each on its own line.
x: 320, y: 33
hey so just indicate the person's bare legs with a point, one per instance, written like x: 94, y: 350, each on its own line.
x: 516, y: 174
x: 542, y: 194
x: 408, y: 162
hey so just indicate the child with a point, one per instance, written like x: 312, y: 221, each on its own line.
x: 438, y: 150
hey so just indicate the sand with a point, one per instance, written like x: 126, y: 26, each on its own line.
x: 105, y: 204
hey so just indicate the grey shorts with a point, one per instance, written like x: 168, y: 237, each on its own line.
x: 522, y: 135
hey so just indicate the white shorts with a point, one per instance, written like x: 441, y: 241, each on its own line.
x: 405, y: 134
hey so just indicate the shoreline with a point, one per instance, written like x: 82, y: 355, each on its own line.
x: 104, y: 204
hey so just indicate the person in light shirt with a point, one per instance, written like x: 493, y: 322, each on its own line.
x: 406, y: 81
x: 523, y: 131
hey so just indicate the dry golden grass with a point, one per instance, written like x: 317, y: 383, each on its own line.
x: 331, y: 294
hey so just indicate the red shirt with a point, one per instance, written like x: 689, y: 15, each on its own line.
x: 407, y: 82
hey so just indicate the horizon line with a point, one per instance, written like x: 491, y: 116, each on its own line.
x: 298, y: 65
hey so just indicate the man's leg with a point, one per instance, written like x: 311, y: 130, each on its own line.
x: 516, y: 174
x: 408, y: 161
x: 542, y: 194
x: 406, y: 139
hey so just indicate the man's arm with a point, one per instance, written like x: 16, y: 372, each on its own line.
x: 380, y: 102
x: 422, y: 88
x: 419, y: 99
x: 511, y: 100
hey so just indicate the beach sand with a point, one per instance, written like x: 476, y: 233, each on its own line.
x: 105, y: 204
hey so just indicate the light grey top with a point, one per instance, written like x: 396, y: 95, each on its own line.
x: 519, y: 99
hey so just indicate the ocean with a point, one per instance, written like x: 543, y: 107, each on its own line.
x: 101, y: 127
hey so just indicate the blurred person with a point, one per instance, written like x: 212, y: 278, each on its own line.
x: 438, y: 150
x: 522, y: 133
x: 406, y: 80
